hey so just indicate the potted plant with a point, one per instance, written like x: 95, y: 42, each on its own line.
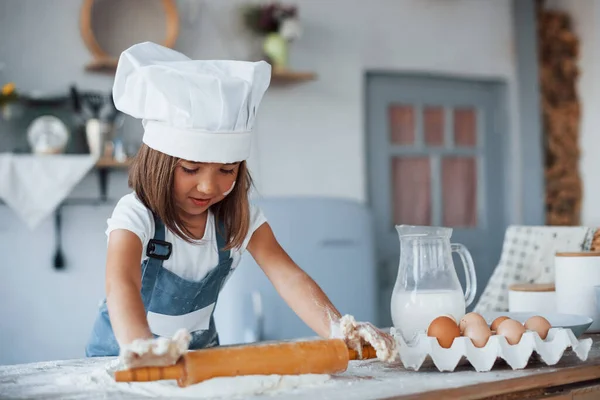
x: 279, y: 25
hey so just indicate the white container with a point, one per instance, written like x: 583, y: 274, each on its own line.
x: 576, y: 276
x: 97, y: 133
x: 539, y: 298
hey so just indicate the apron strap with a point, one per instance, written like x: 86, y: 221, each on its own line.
x: 157, y: 247
x: 157, y: 251
x: 221, y: 241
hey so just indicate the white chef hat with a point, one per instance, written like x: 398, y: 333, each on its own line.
x: 198, y: 110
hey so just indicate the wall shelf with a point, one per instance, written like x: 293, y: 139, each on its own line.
x: 110, y: 163
x: 286, y: 77
x: 103, y: 65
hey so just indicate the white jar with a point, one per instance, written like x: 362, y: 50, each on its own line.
x: 532, y: 297
x: 576, y: 276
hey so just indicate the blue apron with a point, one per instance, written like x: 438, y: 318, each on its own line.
x: 166, y: 293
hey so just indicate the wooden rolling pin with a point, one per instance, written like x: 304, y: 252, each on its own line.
x: 287, y: 358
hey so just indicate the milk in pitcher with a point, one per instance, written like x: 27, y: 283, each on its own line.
x: 413, y: 311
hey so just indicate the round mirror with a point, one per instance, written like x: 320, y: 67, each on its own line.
x: 110, y: 26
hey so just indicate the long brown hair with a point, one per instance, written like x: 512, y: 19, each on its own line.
x: 151, y: 176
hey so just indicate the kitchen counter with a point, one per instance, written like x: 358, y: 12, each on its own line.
x: 88, y: 379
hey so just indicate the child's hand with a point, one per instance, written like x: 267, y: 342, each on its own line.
x: 357, y: 334
x: 155, y: 352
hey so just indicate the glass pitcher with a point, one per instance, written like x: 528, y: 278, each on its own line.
x: 427, y: 285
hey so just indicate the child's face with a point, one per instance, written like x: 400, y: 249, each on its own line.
x: 200, y: 185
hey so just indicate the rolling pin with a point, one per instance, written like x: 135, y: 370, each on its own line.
x: 288, y: 358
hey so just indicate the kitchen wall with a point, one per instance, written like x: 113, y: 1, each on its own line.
x: 310, y: 138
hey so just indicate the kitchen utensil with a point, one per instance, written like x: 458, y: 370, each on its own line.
x: 280, y: 358
x: 92, y: 103
x: 59, y: 259
x: 108, y: 111
x: 427, y: 285
x: 98, y: 133
x: 75, y: 100
x: 576, y: 323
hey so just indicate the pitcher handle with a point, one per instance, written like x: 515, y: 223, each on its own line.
x: 470, y: 278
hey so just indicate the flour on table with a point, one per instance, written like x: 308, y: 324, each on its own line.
x: 229, y: 387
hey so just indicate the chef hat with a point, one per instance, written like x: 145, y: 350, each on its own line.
x: 192, y: 109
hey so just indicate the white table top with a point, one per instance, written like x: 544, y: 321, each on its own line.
x: 89, y: 379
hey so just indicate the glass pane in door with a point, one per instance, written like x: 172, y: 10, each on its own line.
x: 411, y: 190
x: 465, y: 127
x: 402, y: 124
x: 459, y: 191
x: 433, y: 126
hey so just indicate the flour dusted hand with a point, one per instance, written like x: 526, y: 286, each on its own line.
x: 357, y: 334
x: 155, y: 352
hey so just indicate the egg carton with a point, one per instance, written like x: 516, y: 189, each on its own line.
x: 483, y: 359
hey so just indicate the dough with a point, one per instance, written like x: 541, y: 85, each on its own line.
x: 354, y: 333
x: 160, y: 351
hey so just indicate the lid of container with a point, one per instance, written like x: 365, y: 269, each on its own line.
x: 579, y: 254
x: 533, y: 287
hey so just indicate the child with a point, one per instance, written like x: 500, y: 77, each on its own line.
x: 189, y: 220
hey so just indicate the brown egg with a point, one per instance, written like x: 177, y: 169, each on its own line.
x: 471, y: 318
x: 445, y: 330
x: 538, y: 324
x: 512, y: 330
x: 450, y: 316
x: 497, y: 322
x: 478, y: 333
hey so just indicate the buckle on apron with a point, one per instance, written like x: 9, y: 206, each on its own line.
x: 159, y: 249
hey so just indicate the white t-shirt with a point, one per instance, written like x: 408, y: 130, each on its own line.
x: 191, y: 261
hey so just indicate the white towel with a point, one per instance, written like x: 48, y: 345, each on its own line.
x: 34, y: 185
